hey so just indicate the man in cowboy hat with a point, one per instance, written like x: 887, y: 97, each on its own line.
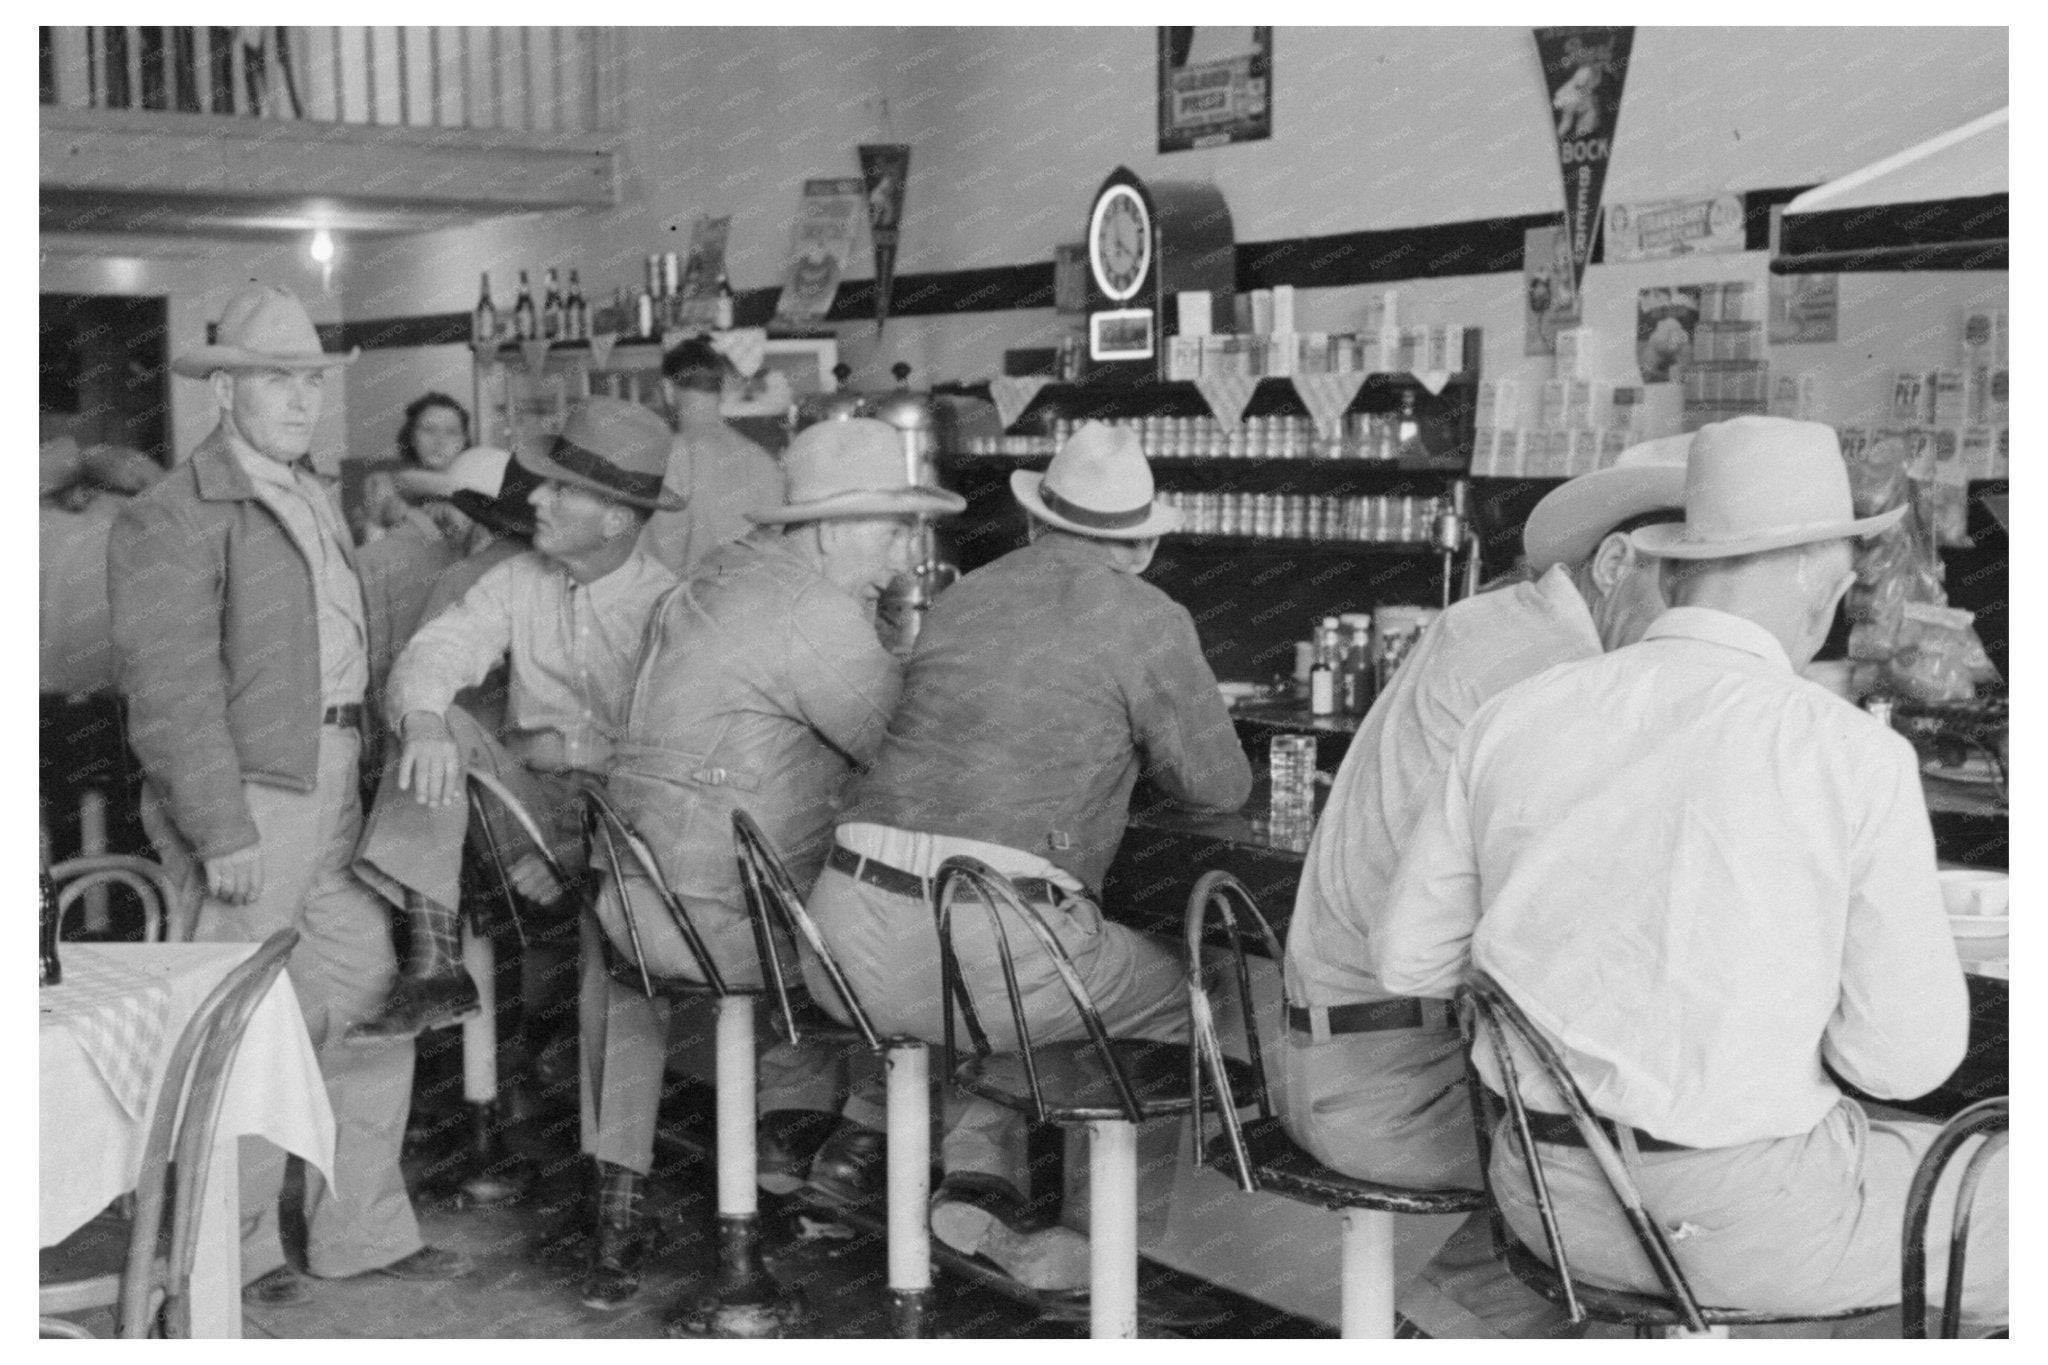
x: 1042, y: 685
x: 567, y: 618
x: 240, y: 629
x: 1711, y: 883
x: 763, y: 686
x: 1375, y: 1083
x: 720, y: 475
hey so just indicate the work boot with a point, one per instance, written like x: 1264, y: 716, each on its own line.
x: 435, y: 989
x: 787, y: 1141
x: 620, y: 1250
x: 851, y: 1169
x: 982, y: 1215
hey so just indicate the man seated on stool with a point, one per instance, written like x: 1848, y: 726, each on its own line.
x: 1041, y: 687
x: 1374, y: 1084
x: 1709, y: 882
x: 762, y: 688
x: 570, y: 617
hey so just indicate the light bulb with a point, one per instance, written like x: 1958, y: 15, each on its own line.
x: 322, y: 248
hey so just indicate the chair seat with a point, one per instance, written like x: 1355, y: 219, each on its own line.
x: 1077, y: 1087
x: 1284, y: 1168
x: 1626, y: 1309
x: 84, y: 1270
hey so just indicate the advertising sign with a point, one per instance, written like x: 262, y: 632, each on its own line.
x: 1583, y: 69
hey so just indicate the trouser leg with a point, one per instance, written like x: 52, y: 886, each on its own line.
x: 629, y: 1082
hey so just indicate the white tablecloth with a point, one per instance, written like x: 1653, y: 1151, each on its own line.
x: 91, y: 1150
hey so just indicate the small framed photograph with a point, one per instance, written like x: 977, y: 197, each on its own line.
x: 1121, y: 334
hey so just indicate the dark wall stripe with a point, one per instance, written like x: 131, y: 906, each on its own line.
x: 1486, y: 246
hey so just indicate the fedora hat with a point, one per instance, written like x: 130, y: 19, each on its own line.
x: 1761, y: 483
x: 852, y: 468
x: 1573, y: 518
x: 612, y: 447
x: 485, y: 485
x: 1099, y: 485
x: 262, y: 328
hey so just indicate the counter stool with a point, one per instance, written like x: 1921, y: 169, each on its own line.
x: 495, y: 1175
x: 744, y: 1299
x: 1110, y: 1085
x: 1991, y: 1120
x: 1262, y: 1156
x: 772, y: 897
x: 1678, y: 1313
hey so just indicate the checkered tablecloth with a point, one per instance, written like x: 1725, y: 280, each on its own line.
x: 118, y: 1014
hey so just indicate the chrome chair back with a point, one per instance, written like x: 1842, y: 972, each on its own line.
x: 609, y: 832
x: 150, y: 882
x: 1991, y: 1120
x: 772, y: 898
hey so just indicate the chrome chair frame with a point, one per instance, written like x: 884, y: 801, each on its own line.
x: 150, y: 882
x: 1992, y: 1120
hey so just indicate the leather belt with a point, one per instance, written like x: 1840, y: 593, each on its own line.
x: 1561, y: 1131
x: 897, y: 882
x: 1371, y: 1016
x: 348, y: 715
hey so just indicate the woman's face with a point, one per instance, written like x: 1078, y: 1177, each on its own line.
x: 437, y: 436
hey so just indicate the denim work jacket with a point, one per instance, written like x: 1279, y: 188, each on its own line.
x: 1041, y: 687
x: 762, y: 687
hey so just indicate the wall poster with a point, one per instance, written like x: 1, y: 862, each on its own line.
x: 827, y: 226
x: 1665, y: 322
x: 1215, y: 86
x: 1673, y: 227
x: 1804, y: 307
x: 1550, y: 296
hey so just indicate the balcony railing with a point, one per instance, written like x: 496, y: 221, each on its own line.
x: 534, y: 80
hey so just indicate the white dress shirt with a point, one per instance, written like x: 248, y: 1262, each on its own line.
x: 574, y: 647
x: 1699, y: 875
x: 1472, y: 653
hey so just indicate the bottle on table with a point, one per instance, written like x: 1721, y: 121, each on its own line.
x: 1322, y: 674
x: 483, y: 323
x: 53, y: 972
x: 576, y: 312
x: 551, y: 309
x: 525, y: 321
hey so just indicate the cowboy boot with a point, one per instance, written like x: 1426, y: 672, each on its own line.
x: 623, y: 1239
x: 435, y: 989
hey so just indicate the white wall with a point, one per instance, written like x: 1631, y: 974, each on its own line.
x: 1012, y: 129
x: 198, y: 276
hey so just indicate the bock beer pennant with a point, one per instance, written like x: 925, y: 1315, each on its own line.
x: 1583, y: 69
x: 885, y: 167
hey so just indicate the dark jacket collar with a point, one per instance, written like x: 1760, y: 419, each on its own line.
x: 219, y: 475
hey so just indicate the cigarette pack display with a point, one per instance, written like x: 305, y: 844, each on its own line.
x: 1979, y: 451
x: 2001, y: 457
x: 1978, y: 336
x: 1262, y: 311
x: 1792, y: 395
x: 1977, y: 395
x: 1582, y: 452
x: 1282, y: 350
x: 1215, y: 354
x: 1909, y: 399
x: 1575, y: 353
x: 1997, y: 410
x: 1382, y: 311
x: 1945, y: 406
x: 1184, y: 357
x: 1283, y: 309
x: 1710, y: 302
x: 1737, y: 299
x: 1193, y: 310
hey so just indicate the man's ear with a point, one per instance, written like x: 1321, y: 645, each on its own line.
x: 1611, y: 559
x: 223, y: 385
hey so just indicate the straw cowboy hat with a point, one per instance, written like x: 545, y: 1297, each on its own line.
x: 852, y: 468
x: 262, y: 328
x: 1575, y: 517
x: 484, y: 483
x: 1099, y: 485
x: 1761, y: 483
x: 612, y: 447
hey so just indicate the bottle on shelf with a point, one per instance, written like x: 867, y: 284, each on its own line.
x: 483, y: 323
x: 576, y: 312
x: 525, y: 321
x: 1322, y: 674
x: 1354, y: 673
x: 1408, y: 446
x: 722, y: 319
x: 551, y: 309
x: 643, y: 316
x: 621, y: 318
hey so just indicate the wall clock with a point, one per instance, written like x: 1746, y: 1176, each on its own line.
x: 1145, y: 242
x: 1120, y: 240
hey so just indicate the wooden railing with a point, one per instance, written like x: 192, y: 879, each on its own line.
x: 539, y: 80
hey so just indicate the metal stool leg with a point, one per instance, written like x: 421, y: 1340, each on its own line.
x: 1368, y: 1271
x: 494, y: 1176
x: 745, y: 1300
x: 910, y: 1185
x: 1113, y: 1228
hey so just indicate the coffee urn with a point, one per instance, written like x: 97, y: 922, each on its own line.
x: 909, y: 595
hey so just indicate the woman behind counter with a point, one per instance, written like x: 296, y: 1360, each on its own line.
x: 435, y: 431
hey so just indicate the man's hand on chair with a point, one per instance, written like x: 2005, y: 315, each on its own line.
x: 430, y: 765
x: 531, y: 878
x: 237, y: 877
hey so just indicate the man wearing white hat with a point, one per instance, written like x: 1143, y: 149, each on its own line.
x: 1042, y: 685
x: 240, y: 629
x: 1374, y: 1082
x: 762, y: 687
x: 566, y: 619
x: 1710, y: 883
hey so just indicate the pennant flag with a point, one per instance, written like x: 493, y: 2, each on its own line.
x: 1583, y: 70
x: 886, y: 168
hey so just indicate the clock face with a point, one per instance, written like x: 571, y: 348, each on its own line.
x: 1120, y: 242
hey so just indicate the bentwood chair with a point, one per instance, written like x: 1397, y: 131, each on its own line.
x: 1678, y: 1312
x: 148, y: 880
x: 1991, y: 1120
x: 130, y: 1264
x: 1262, y: 1156
x: 773, y: 901
x: 1107, y: 1085
x: 744, y: 1300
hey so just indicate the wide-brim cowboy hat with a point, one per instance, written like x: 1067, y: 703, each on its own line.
x: 1099, y: 485
x: 1761, y: 483
x: 852, y: 468
x: 612, y: 447
x: 262, y: 328
x: 1573, y: 518
x: 484, y: 484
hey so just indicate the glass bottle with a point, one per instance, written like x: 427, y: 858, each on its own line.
x: 1322, y: 674
x: 576, y: 312
x: 1408, y: 447
x: 483, y: 323
x: 525, y: 321
x: 551, y: 309
x: 52, y: 971
x: 723, y: 316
